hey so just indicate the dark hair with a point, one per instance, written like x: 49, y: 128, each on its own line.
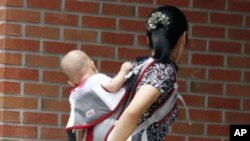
x: 163, y: 39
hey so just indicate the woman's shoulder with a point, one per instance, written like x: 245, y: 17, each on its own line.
x: 162, y: 70
x: 159, y: 75
x: 160, y: 66
x: 168, y: 66
x: 158, y: 70
x: 140, y: 60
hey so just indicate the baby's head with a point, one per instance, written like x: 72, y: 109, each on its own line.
x: 77, y: 66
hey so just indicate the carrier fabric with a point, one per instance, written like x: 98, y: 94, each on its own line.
x: 89, y: 102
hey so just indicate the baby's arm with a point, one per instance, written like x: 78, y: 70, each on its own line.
x: 116, y: 83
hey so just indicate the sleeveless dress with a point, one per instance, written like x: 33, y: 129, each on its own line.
x: 160, y: 76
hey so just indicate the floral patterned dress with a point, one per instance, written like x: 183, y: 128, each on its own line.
x: 162, y: 77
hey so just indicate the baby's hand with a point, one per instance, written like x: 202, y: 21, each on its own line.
x: 126, y: 67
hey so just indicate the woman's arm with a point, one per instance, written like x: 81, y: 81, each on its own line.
x: 127, y: 123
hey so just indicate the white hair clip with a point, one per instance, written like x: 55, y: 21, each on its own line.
x: 155, y: 18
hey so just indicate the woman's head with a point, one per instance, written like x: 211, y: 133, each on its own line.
x: 165, y: 27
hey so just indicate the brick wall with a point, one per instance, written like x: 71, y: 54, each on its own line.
x: 34, y: 34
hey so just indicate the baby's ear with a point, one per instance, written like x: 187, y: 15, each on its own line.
x: 93, y: 66
x: 92, y: 62
x: 71, y: 84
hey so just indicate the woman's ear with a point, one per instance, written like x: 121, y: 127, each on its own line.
x: 182, y: 39
x: 179, y: 48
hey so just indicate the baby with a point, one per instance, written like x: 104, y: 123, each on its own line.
x: 83, y: 76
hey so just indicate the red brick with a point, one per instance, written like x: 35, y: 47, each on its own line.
x: 103, y: 51
x: 80, y: 6
x: 10, y: 29
x: 19, y: 102
x: 218, y: 130
x: 40, y: 118
x: 66, y: 91
x: 205, y: 115
x: 226, y: 19
x: 171, y: 137
x: 20, y: 44
x: 54, y: 76
x: 205, y: 31
x: 196, y: 16
x: 237, y: 117
x: 131, y: 54
x: 246, y: 77
x: 192, y: 73
x: 239, y: 5
x: 206, y: 138
x: 246, y: 104
x: 178, y: 3
x: 212, y: 4
x: 80, y: 35
x: 10, y: 58
x: 42, y: 32
x: 238, y: 61
x: 117, y: 38
x: 9, y: 116
x: 120, y: 10
x: 110, y: 66
x: 19, y: 131
x: 238, y: 90
x: 185, y: 128
x: 248, y: 21
x: 184, y: 59
x: 144, y: 11
x: 132, y: 25
x: 239, y: 34
x: 98, y: 22
x: 224, y: 75
x: 53, y: 133
x: 193, y: 100
x: 225, y: 47
x: 247, y: 49
x: 18, y: 73
x: 196, y: 44
x: 142, y: 41
x: 41, y: 90
x: 2, y: 15
x: 41, y: 61
x: 65, y: 119
x: 182, y: 86
x: 58, y: 47
x: 45, y: 4
x: 61, y: 19
x: 207, y: 88
x: 205, y: 59
x: 55, y: 105
x: 138, y: 1
x: 224, y: 103
x: 16, y: 3
x: 22, y: 16
x: 10, y: 87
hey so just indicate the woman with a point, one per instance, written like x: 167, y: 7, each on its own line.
x: 167, y: 34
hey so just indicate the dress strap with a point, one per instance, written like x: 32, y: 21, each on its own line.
x: 179, y: 96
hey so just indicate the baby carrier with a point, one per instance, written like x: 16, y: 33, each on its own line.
x: 99, y: 110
